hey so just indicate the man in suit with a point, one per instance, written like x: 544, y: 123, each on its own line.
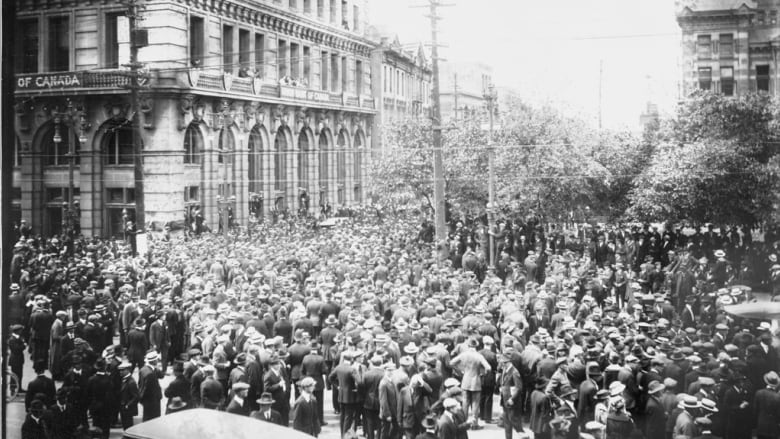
x: 275, y: 383
x: 296, y: 352
x: 36, y: 424
x: 128, y: 395
x: 346, y: 377
x: 55, y: 347
x: 388, y: 403
x: 304, y: 412
x: 488, y: 379
x: 41, y: 384
x: 212, y: 395
x: 447, y: 426
x: 766, y: 404
x: 510, y: 389
x: 62, y: 422
x: 370, y: 389
x: 149, y: 390
x: 76, y: 382
x: 179, y: 386
x: 137, y: 343
x: 586, y: 407
x: 654, y: 412
x: 16, y: 346
x: 266, y: 413
x: 160, y: 339
x: 473, y: 366
x: 100, y: 393
x: 238, y: 405
x: 313, y: 365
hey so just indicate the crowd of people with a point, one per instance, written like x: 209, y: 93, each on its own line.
x: 602, y: 332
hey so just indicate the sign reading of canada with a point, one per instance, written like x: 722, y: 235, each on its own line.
x: 52, y: 80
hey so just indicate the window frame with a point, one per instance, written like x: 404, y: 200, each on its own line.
x: 19, y: 45
x: 699, y: 77
x: 49, y: 39
x: 193, y: 37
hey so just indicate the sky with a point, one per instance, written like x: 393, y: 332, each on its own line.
x: 551, y: 51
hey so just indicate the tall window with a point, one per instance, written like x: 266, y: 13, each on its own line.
x: 344, y: 74
x: 705, y: 78
x: 243, y: 48
x: 320, y: 8
x: 306, y: 64
x: 255, y: 161
x: 355, y: 18
x: 111, y: 49
x: 727, y: 81
x: 344, y: 16
x: 704, y: 46
x: 323, y: 161
x: 341, y: 164
x: 193, y: 145
x: 282, y: 59
x: 227, y: 48
x: 280, y: 156
x: 295, y: 60
x: 307, y: 6
x: 324, y: 63
x: 119, y: 146
x: 56, y: 153
x: 726, y: 49
x: 303, y: 160
x: 59, y: 44
x: 333, y: 11
x: 334, y: 72
x: 359, y: 77
x: 762, y: 78
x: 197, y: 49
x: 260, y: 54
x: 27, y: 46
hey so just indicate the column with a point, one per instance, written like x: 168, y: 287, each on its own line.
x: 241, y: 178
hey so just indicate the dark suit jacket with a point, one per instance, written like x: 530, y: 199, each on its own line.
x: 313, y: 365
x: 447, y: 428
x: 137, y: 345
x: 297, y: 351
x: 347, y: 380
x: 129, y: 396
x: 369, y: 387
x: 388, y: 400
x: 280, y: 392
x: 275, y: 417
x: 179, y: 387
x: 62, y: 423
x: 655, y: 419
x: 305, y: 416
x: 238, y: 409
x: 40, y: 384
x: 149, y: 384
x: 767, y: 408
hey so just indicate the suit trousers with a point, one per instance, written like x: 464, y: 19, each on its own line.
x: 471, y: 401
x: 348, y: 417
x: 371, y: 424
x: 389, y: 430
x: 486, y: 404
x: 127, y: 419
x: 318, y: 394
x: 151, y: 410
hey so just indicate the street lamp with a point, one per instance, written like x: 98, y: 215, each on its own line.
x: 490, y: 96
x: 71, y: 117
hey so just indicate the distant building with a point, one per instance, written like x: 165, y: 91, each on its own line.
x: 730, y: 46
x: 649, y: 116
x: 462, y: 88
x: 401, y: 84
x: 250, y: 106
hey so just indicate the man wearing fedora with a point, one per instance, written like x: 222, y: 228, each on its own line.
x: 654, y: 413
x: 265, y: 412
x: 128, y: 395
x: 137, y: 343
x: 149, y: 390
x: 766, y: 405
x: 275, y: 382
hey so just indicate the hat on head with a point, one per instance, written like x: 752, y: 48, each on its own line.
x: 602, y: 394
x: 240, y: 386
x: 429, y: 423
x: 689, y: 402
x: 451, y: 382
x: 655, y: 387
x: 719, y: 254
x: 411, y: 348
x: 709, y: 405
x: 151, y: 357
x: 176, y: 403
x: 266, y: 398
x: 772, y: 379
x: 450, y: 403
x: 616, y: 388
x: 670, y: 383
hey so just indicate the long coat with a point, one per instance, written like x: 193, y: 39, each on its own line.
x: 305, y: 417
x: 511, y: 386
x: 767, y: 408
x: 655, y: 419
x: 55, y: 348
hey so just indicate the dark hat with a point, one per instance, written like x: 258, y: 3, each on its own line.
x: 178, y: 367
x: 429, y: 423
x: 176, y: 403
x: 16, y: 328
x: 265, y: 399
x: 541, y: 382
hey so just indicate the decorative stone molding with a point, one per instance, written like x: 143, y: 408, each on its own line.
x: 23, y: 108
x: 186, y: 107
x: 322, y: 121
x: 146, y: 107
x: 117, y: 108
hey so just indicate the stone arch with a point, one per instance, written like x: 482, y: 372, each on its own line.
x: 305, y: 147
x: 342, y: 171
x: 53, y: 154
x: 357, y: 171
x: 282, y: 146
x: 114, y: 141
x: 258, y: 145
x: 194, y: 144
x: 324, y: 146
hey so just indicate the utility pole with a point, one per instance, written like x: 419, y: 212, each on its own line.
x: 133, y: 15
x: 490, y: 97
x: 438, y: 161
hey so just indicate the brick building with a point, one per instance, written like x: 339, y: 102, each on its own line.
x: 252, y: 101
x: 730, y: 46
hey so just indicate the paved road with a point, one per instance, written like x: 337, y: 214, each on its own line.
x: 16, y: 414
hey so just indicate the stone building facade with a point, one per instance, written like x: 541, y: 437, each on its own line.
x: 402, y: 82
x: 462, y: 90
x: 730, y: 46
x: 246, y: 103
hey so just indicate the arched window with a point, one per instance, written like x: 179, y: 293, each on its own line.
x: 255, y: 161
x: 341, y: 164
x: 323, y: 162
x: 225, y: 156
x: 303, y: 160
x: 55, y: 147
x: 193, y: 145
x: 358, y: 165
x: 118, y: 147
x: 280, y: 155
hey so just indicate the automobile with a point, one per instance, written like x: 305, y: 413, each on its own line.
x: 209, y: 424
